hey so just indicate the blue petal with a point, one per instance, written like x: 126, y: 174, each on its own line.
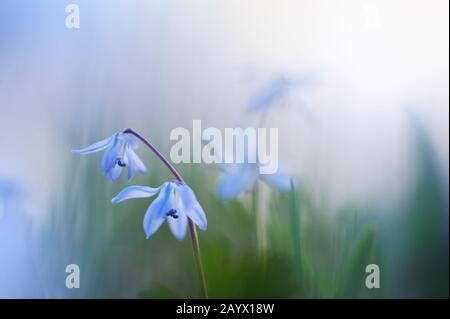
x: 110, y: 158
x: 278, y: 180
x: 157, y: 209
x: 128, y: 140
x: 134, y: 164
x: 238, y: 181
x: 268, y: 95
x: 178, y: 225
x: 151, y: 225
x: 114, y: 173
x: 134, y: 191
x: 191, y: 206
x: 96, y: 147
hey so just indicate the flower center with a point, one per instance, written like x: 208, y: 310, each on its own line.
x: 172, y: 213
x: 120, y: 163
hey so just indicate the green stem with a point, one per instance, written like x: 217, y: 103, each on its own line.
x: 192, y: 227
x: 198, y: 257
x: 295, y: 228
x: 260, y: 231
x: 258, y: 221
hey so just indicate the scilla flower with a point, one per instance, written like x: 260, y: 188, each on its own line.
x: 175, y: 203
x: 241, y: 178
x: 119, y: 154
x: 272, y: 92
x: 276, y: 90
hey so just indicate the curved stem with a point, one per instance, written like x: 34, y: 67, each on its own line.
x: 156, y: 152
x: 192, y: 227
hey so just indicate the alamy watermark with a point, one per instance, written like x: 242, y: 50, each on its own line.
x: 234, y: 146
x: 73, y: 277
x: 373, y: 279
x: 72, y: 20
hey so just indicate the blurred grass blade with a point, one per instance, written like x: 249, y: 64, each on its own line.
x: 353, y: 276
x: 295, y: 229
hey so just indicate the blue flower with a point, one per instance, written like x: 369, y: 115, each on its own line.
x: 9, y: 189
x: 241, y: 178
x: 175, y: 203
x: 272, y: 92
x: 119, y: 154
x: 276, y: 89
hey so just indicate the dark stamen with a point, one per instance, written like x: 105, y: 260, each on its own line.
x: 172, y: 213
x: 120, y: 163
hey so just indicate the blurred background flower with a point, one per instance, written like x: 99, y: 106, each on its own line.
x: 276, y: 90
x: 18, y: 273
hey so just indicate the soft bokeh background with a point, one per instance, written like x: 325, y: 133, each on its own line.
x: 368, y: 143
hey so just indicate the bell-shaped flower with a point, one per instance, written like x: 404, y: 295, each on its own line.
x: 175, y: 203
x: 277, y: 89
x: 238, y: 178
x: 241, y: 178
x: 119, y: 154
x: 270, y: 93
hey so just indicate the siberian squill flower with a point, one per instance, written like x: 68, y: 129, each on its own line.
x: 119, y: 154
x: 276, y: 90
x: 240, y: 178
x: 175, y: 203
x: 9, y: 189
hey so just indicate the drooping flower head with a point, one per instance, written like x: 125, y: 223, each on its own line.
x: 119, y: 154
x: 10, y: 192
x: 9, y: 189
x: 276, y: 90
x: 175, y: 203
x: 239, y: 178
x: 271, y: 92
